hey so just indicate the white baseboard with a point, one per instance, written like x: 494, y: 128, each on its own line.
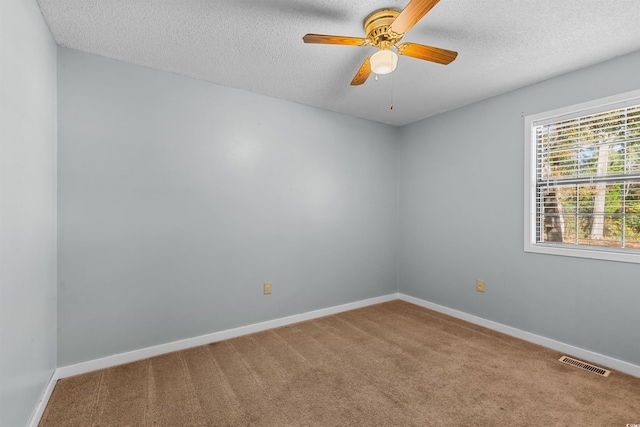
x: 570, y: 350
x: 132, y: 356
x: 42, y: 404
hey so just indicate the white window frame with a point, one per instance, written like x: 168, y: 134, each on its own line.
x: 586, y: 108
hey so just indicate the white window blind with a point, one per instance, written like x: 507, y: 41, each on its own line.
x: 587, y: 178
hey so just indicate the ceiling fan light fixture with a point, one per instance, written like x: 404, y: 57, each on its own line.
x: 383, y: 61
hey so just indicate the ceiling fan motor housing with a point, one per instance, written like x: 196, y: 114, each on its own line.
x: 376, y: 27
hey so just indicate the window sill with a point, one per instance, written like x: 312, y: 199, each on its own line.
x: 619, y: 255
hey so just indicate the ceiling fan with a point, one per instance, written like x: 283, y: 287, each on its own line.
x: 384, y: 28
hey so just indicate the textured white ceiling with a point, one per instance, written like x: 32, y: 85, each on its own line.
x: 256, y: 45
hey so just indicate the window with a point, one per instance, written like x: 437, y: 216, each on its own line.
x: 582, y: 180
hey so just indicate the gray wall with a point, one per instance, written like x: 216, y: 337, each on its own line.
x: 461, y: 207
x: 27, y: 209
x: 178, y: 198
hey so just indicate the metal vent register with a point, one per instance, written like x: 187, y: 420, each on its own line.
x: 586, y: 366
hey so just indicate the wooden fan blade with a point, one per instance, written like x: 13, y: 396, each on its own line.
x: 428, y: 53
x: 324, y: 39
x: 363, y: 73
x: 411, y: 14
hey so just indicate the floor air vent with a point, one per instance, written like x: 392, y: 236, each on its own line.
x: 585, y: 366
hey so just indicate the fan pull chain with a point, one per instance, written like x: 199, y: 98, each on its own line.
x: 391, y: 104
x: 376, y: 77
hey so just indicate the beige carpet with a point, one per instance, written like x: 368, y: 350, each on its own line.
x: 391, y: 364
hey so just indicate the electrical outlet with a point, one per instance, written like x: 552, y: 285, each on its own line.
x: 267, y: 288
x: 479, y: 285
